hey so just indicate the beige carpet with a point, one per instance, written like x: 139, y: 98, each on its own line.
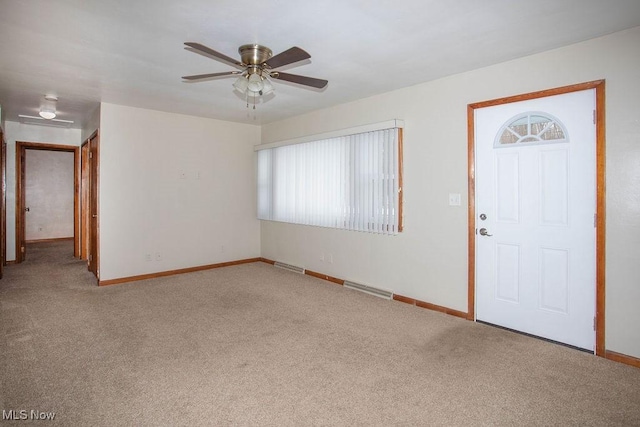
x: 256, y: 345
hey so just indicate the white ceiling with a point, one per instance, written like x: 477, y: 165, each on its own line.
x: 131, y: 52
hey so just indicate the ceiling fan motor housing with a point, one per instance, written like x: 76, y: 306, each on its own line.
x: 254, y: 54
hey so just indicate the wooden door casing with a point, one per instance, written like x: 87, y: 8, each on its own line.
x: 94, y: 220
x: 21, y: 148
x: 599, y: 86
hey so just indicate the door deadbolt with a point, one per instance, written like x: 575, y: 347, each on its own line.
x: 483, y: 217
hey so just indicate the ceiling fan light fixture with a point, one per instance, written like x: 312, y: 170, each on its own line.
x: 267, y: 87
x: 46, y: 114
x: 48, y: 107
x: 255, y: 83
x: 241, y: 84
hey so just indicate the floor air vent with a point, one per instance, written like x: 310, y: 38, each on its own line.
x: 289, y: 267
x: 382, y: 293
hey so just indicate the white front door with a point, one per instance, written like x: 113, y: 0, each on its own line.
x: 535, y: 212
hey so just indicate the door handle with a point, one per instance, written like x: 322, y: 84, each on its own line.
x: 94, y: 216
x: 27, y: 209
x: 483, y: 232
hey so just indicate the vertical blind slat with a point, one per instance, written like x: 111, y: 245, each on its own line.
x: 347, y: 182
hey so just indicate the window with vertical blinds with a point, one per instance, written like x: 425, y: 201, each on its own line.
x: 350, y: 182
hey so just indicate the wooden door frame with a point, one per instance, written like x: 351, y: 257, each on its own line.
x: 21, y: 148
x: 599, y: 86
x: 93, y: 263
x: 84, y: 200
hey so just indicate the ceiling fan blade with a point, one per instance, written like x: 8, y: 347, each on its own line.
x: 289, y: 56
x: 303, y: 80
x: 208, y: 51
x: 208, y: 76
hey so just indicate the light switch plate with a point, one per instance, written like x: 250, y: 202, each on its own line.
x: 455, y: 199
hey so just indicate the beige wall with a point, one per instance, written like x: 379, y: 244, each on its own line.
x: 15, y: 131
x: 49, y: 194
x: 428, y: 261
x: 180, y: 189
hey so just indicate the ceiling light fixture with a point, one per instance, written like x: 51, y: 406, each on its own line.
x: 241, y: 84
x: 258, y: 68
x: 254, y: 83
x: 48, y: 107
x: 37, y: 120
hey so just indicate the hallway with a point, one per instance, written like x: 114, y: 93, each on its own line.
x: 48, y: 263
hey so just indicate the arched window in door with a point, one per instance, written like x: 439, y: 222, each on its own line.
x: 531, y: 128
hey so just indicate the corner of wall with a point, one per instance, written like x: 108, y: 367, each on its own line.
x: 90, y: 123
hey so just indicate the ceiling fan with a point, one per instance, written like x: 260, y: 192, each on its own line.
x: 256, y: 67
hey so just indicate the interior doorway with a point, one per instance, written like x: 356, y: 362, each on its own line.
x: 534, y: 294
x: 21, y: 206
x: 89, y: 221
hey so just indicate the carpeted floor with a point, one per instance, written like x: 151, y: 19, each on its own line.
x: 255, y: 345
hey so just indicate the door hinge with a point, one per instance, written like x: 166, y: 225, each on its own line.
x: 90, y: 257
x: 594, y: 117
x: 595, y: 220
x: 594, y: 323
x: 22, y: 249
x: 90, y: 155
